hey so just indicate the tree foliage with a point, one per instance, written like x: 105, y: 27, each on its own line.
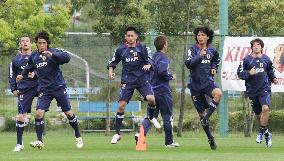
x: 27, y: 17
x: 114, y: 16
x: 255, y: 17
x: 171, y: 16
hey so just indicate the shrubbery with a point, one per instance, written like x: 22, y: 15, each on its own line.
x: 192, y: 123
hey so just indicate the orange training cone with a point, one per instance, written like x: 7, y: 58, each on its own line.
x: 141, y: 144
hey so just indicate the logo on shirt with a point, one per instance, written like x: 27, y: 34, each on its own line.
x: 42, y: 64
x: 132, y: 59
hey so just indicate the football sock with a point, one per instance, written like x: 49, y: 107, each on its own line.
x: 39, y: 126
x: 118, y: 121
x: 74, y: 123
x: 20, y: 130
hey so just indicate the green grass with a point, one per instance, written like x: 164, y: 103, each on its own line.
x: 60, y: 146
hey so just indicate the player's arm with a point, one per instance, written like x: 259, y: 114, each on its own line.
x: 30, y: 67
x: 162, y: 70
x: 215, y: 63
x: 112, y: 64
x: 244, y: 72
x: 192, y: 59
x: 59, y: 56
x: 145, y: 56
x: 12, y: 78
x: 270, y: 72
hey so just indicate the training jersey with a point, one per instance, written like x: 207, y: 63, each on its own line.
x: 200, y: 66
x: 47, y: 68
x: 260, y: 82
x: 15, y: 68
x: 133, y: 59
x: 160, y: 77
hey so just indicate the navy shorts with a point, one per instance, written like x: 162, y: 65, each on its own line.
x: 25, y: 100
x: 61, y: 97
x: 200, y: 98
x: 127, y: 90
x: 258, y: 101
x: 164, y: 103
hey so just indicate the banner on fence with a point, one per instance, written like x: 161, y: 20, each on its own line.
x: 236, y: 48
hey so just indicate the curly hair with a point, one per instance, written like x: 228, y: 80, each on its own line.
x: 43, y: 35
x: 205, y: 30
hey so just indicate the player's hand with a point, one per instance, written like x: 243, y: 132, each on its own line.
x: 275, y: 81
x: 252, y: 71
x: 203, y: 52
x: 19, y: 78
x: 31, y: 75
x: 111, y: 75
x: 47, y: 53
x: 213, y: 72
x: 174, y: 76
x: 16, y: 93
x: 146, y: 67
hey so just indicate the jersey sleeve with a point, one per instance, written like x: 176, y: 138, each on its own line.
x: 12, y: 77
x: 192, y: 59
x: 215, y: 60
x: 60, y: 56
x: 243, y: 70
x: 114, y: 60
x: 163, y: 69
x: 270, y: 70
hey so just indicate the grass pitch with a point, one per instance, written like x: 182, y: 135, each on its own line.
x: 60, y: 146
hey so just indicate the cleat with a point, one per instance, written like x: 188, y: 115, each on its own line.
x: 79, y: 142
x: 268, y: 140
x: 18, y: 148
x: 172, y: 145
x: 204, y: 122
x: 212, y: 144
x: 37, y: 144
x: 136, y: 136
x: 115, y: 138
x: 156, y: 123
x: 259, y: 138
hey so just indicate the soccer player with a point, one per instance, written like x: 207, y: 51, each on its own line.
x: 46, y: 63
x: 257, y: 71
x: 161, y: 87
x: 135, y: 74
x: 25, y: 90
x: 202, y: 63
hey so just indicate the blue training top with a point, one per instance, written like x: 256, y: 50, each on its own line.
x: 50, y: 77
x: 260, y: 82
x: 200, y: 66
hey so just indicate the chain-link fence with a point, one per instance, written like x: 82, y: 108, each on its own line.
x: 86, y: 73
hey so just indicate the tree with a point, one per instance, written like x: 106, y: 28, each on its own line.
x: 114, y: 16
x: 27, y: 17
x: 255, y: 17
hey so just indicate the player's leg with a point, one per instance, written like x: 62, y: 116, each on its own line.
x: 264, y: 117
x: 62, y: 100
x: 43, y: 104
x: 215, y: 92
x: 256, y: 106
x: 165, y: 104
x: 146, y: 91
x: 200, y: 104
x: 126, y: 93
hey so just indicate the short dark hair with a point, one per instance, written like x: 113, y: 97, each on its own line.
x: 205, y: 30
x: 258, y: 40
x: 43, y: 35
x: 19, y: 39
x: 131, y: 28
x: 159, y: 42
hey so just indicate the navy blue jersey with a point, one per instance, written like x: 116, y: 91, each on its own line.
x: 260, y: 82
x: 133, y: 59
x: 16, y: 67
x: 200, y: 66
x: 161, y: 76
x: 47, y: 68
